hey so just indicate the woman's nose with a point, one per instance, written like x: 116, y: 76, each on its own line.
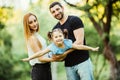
x: 34, y: 23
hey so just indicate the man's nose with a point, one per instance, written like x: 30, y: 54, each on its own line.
x: 56, y: 13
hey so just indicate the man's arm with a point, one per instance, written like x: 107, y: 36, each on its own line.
x: 62, y: 56
x: 79, y: 38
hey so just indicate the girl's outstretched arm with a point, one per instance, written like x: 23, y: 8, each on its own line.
x: 37, y: 54
x: 84, y: 47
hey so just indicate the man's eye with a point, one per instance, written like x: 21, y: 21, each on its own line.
x: 53, y: 11
x: 57, y: 9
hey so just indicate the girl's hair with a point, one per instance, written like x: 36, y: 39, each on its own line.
x: 65, y: 33
x: 27, y: 30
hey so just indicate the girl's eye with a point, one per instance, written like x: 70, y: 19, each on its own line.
x: 55, y: 36
x: 60, y: 35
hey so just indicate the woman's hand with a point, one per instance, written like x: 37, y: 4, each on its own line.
x: 25, y: 59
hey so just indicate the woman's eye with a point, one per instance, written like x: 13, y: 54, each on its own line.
x: 35, y: 20
x: 30, y: 22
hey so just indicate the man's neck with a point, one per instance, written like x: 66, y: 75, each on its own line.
x: 64, y: 19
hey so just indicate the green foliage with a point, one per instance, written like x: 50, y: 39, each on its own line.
x: 5, y: 56
x: 4, y: 13
x: 1, y: 25
x: 92, y: 37
x: 10, y: 67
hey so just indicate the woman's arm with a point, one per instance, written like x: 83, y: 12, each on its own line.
x: 46, y: 59
x: 36, y: 55
x: 33, y: 43
x: 84, y: 47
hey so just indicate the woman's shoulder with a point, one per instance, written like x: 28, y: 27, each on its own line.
x: 31, y: 40
x: 32, y: 37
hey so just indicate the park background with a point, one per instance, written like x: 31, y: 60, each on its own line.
x: 101, y: 24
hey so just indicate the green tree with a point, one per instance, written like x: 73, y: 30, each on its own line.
x: 5, y: 48
x: 101, y: 13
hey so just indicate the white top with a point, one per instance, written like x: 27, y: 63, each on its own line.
x: 30, y: 51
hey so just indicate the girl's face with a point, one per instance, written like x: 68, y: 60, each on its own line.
x: 57, y: 37
x: 33, y: 23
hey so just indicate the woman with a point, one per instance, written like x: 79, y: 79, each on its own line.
x: 34, y: 42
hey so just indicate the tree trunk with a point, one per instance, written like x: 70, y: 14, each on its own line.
x: 114, y: 64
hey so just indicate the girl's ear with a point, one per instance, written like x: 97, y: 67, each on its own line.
x: 65, y: 33
x: 49, y: 35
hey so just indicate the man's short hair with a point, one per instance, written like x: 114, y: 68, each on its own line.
x: 54, y: 3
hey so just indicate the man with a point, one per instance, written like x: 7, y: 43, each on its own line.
x: 77, y: 62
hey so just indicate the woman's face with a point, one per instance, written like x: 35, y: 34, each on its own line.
x: 33, y: 23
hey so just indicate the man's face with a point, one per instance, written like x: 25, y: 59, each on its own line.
x: 57, y: 12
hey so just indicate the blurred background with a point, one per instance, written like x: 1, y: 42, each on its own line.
x: 101, y: 20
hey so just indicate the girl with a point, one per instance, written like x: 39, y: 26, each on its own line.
x: 59, y: 45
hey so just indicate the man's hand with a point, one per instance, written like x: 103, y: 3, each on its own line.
x: 60, y: 57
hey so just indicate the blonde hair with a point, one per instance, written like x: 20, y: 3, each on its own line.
x: 27, y: 30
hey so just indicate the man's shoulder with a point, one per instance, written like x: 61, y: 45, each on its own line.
x: 73, y: 17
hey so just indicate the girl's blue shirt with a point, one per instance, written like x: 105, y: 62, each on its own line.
x: 56, y: 50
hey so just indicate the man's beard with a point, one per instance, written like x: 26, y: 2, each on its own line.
x: 61, y: 16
